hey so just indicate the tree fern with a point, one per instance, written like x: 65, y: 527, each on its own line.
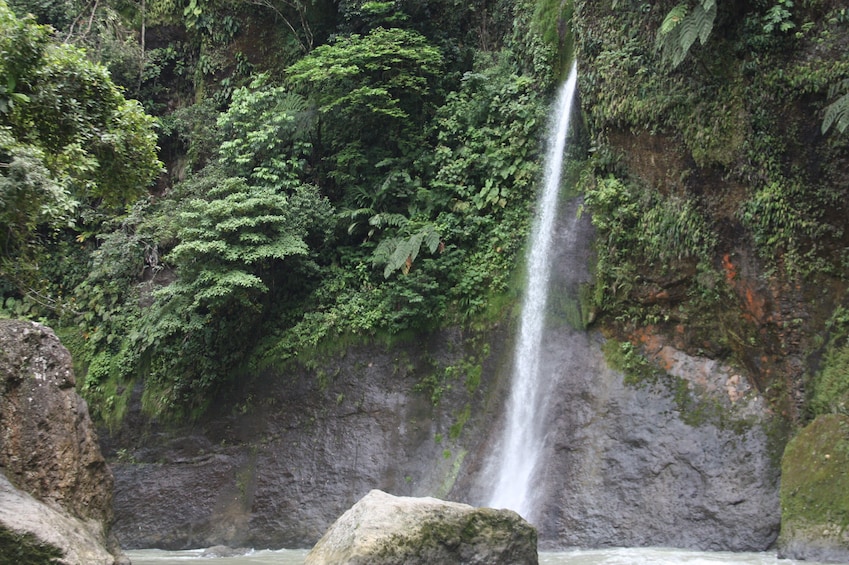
x: 681, y: 27
x: 837, y: 113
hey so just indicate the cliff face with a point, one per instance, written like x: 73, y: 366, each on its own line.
x: 687, y: 461
x: 719, y: 190
x: 720, y: 199
x: 283, y: 456
x: 59, y: 487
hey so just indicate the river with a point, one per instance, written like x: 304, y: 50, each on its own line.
x: 617, y: 556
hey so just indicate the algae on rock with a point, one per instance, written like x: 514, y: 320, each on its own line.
x: 815, y: 492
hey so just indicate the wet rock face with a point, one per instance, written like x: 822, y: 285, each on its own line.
x: 48, y: 445
x: 685, y: 461
x: 382, y: 529
x: 682, y: 462
x: 291, y: 451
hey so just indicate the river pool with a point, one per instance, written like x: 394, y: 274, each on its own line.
x: 623, y: 556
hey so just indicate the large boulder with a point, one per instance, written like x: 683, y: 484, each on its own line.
x: 33, y: 532
x: 48, y: 446
x: 382, y: 529
x: 815, y: 492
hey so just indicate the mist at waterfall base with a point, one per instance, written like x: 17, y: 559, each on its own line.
x: 618, y: 556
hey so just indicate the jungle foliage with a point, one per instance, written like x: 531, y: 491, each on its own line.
x: 367, y: 175
x: 342, y: 170
x: 743, y: 104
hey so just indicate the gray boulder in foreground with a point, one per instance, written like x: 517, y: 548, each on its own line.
x: 382, y: 529
x: 33, y: 528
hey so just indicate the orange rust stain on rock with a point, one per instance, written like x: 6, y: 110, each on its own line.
x: 654, y: 344
x: 754, y: 304
x: 729, y: 268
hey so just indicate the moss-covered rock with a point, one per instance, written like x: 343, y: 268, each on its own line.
x: 382, y: 529
x: 815, y: 492
x: 26, y: 549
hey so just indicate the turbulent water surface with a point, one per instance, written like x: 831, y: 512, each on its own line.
x: 640, y: 556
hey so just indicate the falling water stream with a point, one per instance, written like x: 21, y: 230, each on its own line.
x: 521, y: 444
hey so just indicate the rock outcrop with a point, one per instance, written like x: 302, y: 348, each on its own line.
x: 294, y: 449
x: 48, y: 447
x: 682, y: 460
x: 382, y: 529
x: 815, y: 493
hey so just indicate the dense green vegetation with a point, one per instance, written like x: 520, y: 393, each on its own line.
x: 353, y: 170
x: 368, y: 175
x: 716, y: 131
x: 815, y: 485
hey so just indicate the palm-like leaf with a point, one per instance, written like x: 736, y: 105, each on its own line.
x: 837, y: 113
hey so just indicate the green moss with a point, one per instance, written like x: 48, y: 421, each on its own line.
x: 814, y: 481
x: 451, y: 477
x: 26, y: 549
x: 831, y: 387
x: 625, y: 357
x: 463, y: 417
x: 548, y: 22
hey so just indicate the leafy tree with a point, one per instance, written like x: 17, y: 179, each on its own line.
x: 388, y: 74
x: 239, y: 245
x: 248, y: 232
x: 72, y: 148
x: 267, y: 131
x: 373, y: 93
x: 22, y: 45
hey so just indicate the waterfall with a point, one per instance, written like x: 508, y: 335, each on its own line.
x: 522, y: 440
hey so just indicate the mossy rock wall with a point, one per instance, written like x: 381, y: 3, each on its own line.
x: 815, y: 492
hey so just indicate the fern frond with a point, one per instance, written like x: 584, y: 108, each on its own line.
x: 400, y: 252
x: 432, y: 239
x: 399, y: 257
x: 672, y: 19
x: 838, y: 87
x: 705, y: 17
x: 688, y: 31
x: 385, y: 219
x: 837, y: 115
x: 681, y: 27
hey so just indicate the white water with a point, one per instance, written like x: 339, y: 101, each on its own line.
x: 522, y: 439
x: 616, y: 556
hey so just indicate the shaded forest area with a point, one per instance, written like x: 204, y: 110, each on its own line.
x: 327, y: 172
